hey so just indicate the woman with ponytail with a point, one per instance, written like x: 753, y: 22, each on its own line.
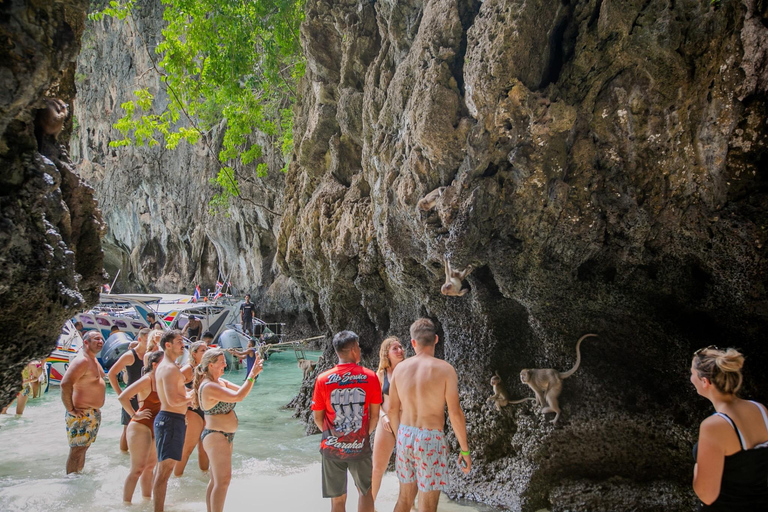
x: 139, y: 432
x: 731, y: 471
x: 218, y: 397
x: 195, y: 416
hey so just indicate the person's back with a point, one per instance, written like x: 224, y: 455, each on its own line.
x: 422, y: 382
x: 745, y: 467
x: 749, y: 420
x: 421, y: 387
x: 731, y: 471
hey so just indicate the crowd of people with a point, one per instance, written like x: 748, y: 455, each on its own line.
x: 406, y: 399
x: 169, y: 410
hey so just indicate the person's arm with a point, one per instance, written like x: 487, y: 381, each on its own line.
x: 710, y: 460
x: 184, y: 330
x: 74, y: 372
x: 232, y: 393
x: 188, y: 372
x: 121, y: 363
x: 319, y: 417
x: 373, y: 413
x: 140, y: 386
x: 177, y: 393
x: 380, y: 374
x: 393, y: 413
x: 236, y: 352
x: 458, y: 421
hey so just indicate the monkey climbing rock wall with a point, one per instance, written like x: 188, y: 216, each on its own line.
x: 548, y: 383
x: 453, y: 280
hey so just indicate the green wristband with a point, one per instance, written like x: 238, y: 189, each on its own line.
x: 464, y: 453
x: 252, y: 380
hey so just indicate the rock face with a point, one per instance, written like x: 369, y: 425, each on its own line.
x: 605, y: 171
x: 50, y: 255
x: 160, y: 232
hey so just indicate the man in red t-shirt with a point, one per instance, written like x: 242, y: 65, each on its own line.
x: 346, y: 397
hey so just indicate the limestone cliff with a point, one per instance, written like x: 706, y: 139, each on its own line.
x: 160, y: 232
x: 605, y: 170
x: 50, y: 256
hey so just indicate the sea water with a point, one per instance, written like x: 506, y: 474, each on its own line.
x: 275, y: 466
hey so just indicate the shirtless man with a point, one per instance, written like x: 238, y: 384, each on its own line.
x: 170, y: 423
x: 133, y: 362
x: 421, y: 387
x: 83, y: 391
x: 193, y: 328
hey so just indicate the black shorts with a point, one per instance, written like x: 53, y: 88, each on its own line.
x: 170, y: 429
x: 124, y: 418
x: 335, y: 476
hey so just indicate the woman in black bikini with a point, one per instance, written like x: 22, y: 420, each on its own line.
x: 218, y: 397
x: 391, y: 354
x: 731, y: 471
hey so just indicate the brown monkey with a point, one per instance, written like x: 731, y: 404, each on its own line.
x: 51, y: 118
x: 500, y: 395
x: 548, y: 383
x: 428, y: 202
x: 453, y: 279
x: 307, y: 366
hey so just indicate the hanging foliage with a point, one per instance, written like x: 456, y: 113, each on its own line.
x: 236, y: 61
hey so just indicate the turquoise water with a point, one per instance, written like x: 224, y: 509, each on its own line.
x: 275, y: 466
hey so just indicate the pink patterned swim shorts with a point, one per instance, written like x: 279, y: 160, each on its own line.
x: 422, y: 456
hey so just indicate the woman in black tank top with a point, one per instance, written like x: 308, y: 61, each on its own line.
x: 391, y: 354
x: 731, y: 471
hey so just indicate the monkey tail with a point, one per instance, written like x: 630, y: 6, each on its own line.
x: 521, y: 401
x: 578, y: 357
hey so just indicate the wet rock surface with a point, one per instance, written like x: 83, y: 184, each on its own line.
x: 605, y: 171
x: 50, y: 254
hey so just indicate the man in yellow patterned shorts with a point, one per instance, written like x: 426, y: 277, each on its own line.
x: 83, y: 390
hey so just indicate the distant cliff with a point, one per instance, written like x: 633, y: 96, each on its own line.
x: 160, y: 233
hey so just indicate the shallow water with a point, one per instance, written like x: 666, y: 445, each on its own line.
x: 275, y: 466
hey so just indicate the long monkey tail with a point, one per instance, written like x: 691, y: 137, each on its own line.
x: 521, y: 401
x: 578, y: 357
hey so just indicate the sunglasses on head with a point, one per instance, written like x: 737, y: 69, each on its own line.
x: 708, y: 347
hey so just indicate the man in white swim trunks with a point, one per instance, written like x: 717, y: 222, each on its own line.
x: 83, y: 391
x: 421, y: 387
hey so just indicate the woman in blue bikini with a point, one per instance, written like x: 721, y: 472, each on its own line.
x: 217, y: 398
x: 731, y: 471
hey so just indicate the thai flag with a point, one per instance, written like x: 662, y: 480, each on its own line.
x: 218, y: 295
x: 219, y: 285
x: 196, y: 295
x: 107, y: 288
